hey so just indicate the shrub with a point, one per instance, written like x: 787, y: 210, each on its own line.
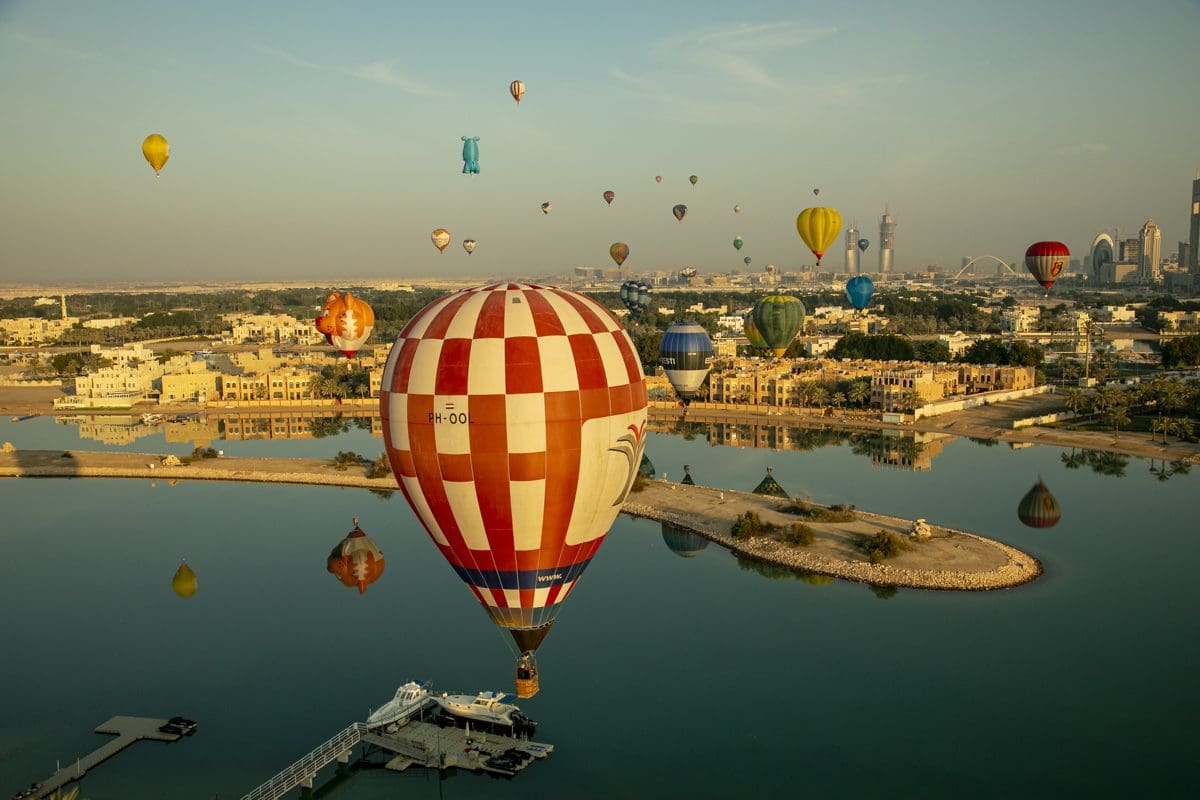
x: 380, y: 467
x: 798, y: 533
x: 884, y: 544
x: 347, y: 458
x: 838, y: 513
x: 749, y: 525
x: 204, y: 452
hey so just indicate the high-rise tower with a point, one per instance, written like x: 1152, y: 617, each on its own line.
x: 852, y: 265
x: 1150, y: 254
x: 1193, y: 264
x: 887, y: 240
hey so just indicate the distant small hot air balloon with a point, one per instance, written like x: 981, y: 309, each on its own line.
x: 441, y: 238
x: 746, y: 261
x: 863, y: 244
x: 686, y: 354
x: 469, y: 246
x: 779, y: 317
x: 547, y: 207
x: 737, y: 243
x: 619, y: 252
x: 737, y: 209
x: 156, y: 150
x: 609, y: 195
x: 859, y: 290
x: 680, y: 211
x: 470, y: 155
x: 517, y: 90
x: 1046, y: 261
x: 687, y: 272
x: 356, y: 560
x: 354, y: 320
x: 816, y: 192
x: 819, y: 227
x: 1038, y: 508
x: 184, y: 583
x: 658, y: 178
x: 636, y: 296
x: 694, y: 179
x: 770, y: 269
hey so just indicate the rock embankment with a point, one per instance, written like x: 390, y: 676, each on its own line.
x: 948, y: 560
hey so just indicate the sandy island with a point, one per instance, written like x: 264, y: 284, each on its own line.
x: 950, y: 560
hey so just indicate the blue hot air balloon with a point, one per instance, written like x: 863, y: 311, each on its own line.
x: 470, y: 155
x: 863, y: 244
x: 686, y: 354
x: 859, y: 290
x: 636, y: 296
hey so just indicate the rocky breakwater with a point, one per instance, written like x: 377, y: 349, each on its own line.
x: 946, y: 560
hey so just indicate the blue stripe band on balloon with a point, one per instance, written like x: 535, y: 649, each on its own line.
x: 520, y: 579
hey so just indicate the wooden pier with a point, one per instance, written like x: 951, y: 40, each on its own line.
x: 127, y: 730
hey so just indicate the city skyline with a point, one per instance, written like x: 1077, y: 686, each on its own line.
x: 324, y: 144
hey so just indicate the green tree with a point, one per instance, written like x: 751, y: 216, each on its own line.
x: 1181, y: 352
x: 932, y: 351
x: 859, y: 392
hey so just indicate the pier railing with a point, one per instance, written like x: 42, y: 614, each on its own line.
x: 306, y: 767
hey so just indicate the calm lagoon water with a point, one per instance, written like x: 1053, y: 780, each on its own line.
x: 665, y: 676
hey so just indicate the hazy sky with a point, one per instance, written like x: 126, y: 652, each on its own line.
x: 323, y: 140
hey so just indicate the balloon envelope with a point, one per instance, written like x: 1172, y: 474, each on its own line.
x: 746, y: 261
x: 517, y: 90
x: 547, y: 208
x: 470, y: 155
x: 354, y: 320
x: 680, y: 211
x: 859, y: 290
x: 514, y: 418
x: 686, y: 354
x: 619, y: 252
x: 658, y: 178
x: 681, y: 541
x: 184, y: 583
x: 609, y: 195
x: 738, y: 243
x: 818, y: 227
x: 1039, y: 508
x: 694, y: 179
x: 778, y: 318
x: 737, y: 209
x: 440, y: 238
x: 863, y: 244
x: 156, y: 150
x: 1046, y: 261
x: 356, y: 560
x: 469, y: 246
x: 751, y: 331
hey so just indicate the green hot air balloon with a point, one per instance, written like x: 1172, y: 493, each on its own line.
x: 779, y: 318
x: 737, y: 243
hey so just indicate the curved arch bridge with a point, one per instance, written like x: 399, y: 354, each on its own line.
x: 980, y: 259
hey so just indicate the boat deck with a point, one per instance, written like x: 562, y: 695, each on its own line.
x: 426, y: 744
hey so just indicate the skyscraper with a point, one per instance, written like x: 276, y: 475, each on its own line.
x: 1131, y: 251
x: 887, y: 241
x: 1102, y: 256
x: 852, y: 265
x: 1150, y: 252
x: 1193, y: 263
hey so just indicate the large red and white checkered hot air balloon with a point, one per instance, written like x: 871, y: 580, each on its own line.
x: 514, y: 418
x: 1046, y: 261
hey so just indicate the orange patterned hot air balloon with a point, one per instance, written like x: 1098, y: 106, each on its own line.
x: 517, y: 90
x: 353, y: 322
x: 441, y: 239
x: 357, y: 560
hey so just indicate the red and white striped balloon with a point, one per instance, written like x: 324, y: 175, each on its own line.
x: 1046, y: 261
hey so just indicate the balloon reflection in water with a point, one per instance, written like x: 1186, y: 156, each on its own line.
x: 1039, y: 508
x: 682, y: 542
x: 357, y: 560
x: 687, y: 476
x: 770, y: 487
x: 184, y: 583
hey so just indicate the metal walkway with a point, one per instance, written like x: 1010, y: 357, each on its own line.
x: 306, y: 768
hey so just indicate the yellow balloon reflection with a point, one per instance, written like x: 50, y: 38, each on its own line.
x: 156, y: 150
x: 184, y: 583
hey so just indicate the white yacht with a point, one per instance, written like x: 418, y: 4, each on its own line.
x: 408, y: 700
x: 494, y: 708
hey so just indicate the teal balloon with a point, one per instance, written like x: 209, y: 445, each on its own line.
x: 470, y: 155
x: 863, y: 244
x: 859, y: 290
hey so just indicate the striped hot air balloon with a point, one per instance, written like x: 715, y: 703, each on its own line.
x: 1038, y: 508
x: 819, y: 227
x: 1046, y: 261
x: 778, y: 317
x: 514, y: 419
x: 517, y: 90
x: 686, y: 354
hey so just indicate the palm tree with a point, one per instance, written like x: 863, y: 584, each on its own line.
x: 1182, y: 428
x: 838, y: 399
x: 912, y: 399
x: 859, y: 392
x: 1075, y: 401
x: 1160, y: 425
x: 819, y: 395
x: 1118, y: 415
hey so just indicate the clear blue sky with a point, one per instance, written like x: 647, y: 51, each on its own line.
x: 312, y: 140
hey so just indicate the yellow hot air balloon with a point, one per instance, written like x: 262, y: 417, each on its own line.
x: 156, y: 150
x: 184, y: 583
x: 819, y: 227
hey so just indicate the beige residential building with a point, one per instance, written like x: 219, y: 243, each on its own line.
x: 197, y: 385
x: 269, y: 329
x: 905, y: 389
x: 976, y: 378
x: 1021, y: 319
x: 140, y: 379
x: 27, y: 331
x: 285, y: 383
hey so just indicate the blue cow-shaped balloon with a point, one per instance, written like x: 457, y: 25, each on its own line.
x: 470, y: 155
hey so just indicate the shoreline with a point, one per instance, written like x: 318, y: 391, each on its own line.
x: 951, y: 560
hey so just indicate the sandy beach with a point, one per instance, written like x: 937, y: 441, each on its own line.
x: 950, y: 560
